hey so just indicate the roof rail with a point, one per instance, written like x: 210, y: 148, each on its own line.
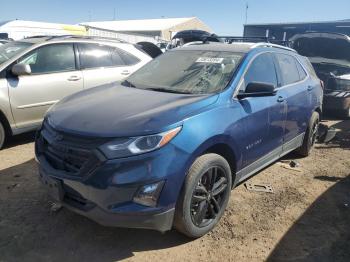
x: 51, y: 37
x: 272, y: 45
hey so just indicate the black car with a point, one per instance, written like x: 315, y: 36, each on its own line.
x: 329, y: 54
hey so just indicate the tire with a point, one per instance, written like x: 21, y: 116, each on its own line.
x: 310, y: 135
x: 201, y: 194
x: 2, y: 135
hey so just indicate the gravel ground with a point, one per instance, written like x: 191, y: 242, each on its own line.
x: 305, y: 219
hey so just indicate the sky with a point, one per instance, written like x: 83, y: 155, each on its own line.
x: 224, y: 17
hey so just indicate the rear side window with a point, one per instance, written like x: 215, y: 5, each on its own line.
x: 51, y: 59
x: 262, y: 69
x: 97, y: 56
x: 309, y: 67
x: 128, y: 58
x: 288, y: 68
x: 302, y: 73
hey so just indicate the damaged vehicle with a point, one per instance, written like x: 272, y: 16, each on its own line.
x: 329, y: 54
x: 188, y: 37
x: 164, y: 148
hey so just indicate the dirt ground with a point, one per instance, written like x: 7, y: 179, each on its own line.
x: 307, y: 218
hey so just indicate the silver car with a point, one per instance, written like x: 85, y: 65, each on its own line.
x: 37, y: 72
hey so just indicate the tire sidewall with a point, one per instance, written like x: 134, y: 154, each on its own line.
x: 191, y: 182
x: 315, y: 117
x: 2, y: 135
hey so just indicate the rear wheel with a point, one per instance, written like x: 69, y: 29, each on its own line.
x: 2, y: 135
x: 310, y: 135
x: 204, y: 196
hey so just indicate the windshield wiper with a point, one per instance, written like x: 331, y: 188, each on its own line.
x: 127, y: 83
x: 168, y: 90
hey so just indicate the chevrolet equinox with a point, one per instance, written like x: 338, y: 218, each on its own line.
x: 165, y: 147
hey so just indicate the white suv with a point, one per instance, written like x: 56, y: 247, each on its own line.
x: 37, y: 72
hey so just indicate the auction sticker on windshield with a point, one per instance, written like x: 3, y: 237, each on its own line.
x: 210, y: 60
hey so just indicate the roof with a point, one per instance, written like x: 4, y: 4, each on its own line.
x: 139, y: 25
x: 220, y: 47
x: 233, y: 47
x: 71, y: 38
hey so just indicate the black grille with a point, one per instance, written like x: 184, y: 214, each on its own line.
x: 71, y: 154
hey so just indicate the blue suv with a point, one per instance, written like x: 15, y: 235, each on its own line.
x: 165, y: 147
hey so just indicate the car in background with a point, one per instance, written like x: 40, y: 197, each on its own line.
x: 329, y: 54
x: 3, y: 41
x: 189, y: 37
x: 37, y: 72
x: 165, y: 147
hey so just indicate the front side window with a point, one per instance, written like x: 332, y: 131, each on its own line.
x: 261, y: 70
x: 185, y: 71
x: 51, y: 59
x: 9, y: 50
x: 288, y: 68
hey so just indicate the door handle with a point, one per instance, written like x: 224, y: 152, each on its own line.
x: 74, y: 78
x: 309, y: 88
x: 280, y: 99
x: 126, y: 72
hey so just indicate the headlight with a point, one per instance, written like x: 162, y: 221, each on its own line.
x: 137, y: 145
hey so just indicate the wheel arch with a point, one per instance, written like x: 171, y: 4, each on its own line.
x: 223, y: 146
x: 6, y: 124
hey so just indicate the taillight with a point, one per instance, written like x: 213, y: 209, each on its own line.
x: 322, y: 84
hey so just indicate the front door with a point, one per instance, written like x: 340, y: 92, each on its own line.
x: 53, y: 77
x: 264, y: 117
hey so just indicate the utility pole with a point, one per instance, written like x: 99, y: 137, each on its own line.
x: 246, y: 12
x: 114, y: 14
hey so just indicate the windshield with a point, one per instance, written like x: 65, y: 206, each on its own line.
x: 331, y: 50
x: 11, y: 49
x: 189, y: 72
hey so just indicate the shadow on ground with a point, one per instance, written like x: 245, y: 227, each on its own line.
x: 306, y: 240
x: 30, y: 232
x: 20, y: 140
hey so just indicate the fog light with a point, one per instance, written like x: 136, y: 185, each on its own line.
x: 148, y: 195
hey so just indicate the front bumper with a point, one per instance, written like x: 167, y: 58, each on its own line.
x: 105, y: 192
x: 112, y: 206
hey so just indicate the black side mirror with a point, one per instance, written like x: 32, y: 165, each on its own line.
x: 258, y: 89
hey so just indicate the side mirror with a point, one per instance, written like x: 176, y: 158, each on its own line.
x: 258, y: 89
x: 21, y: 69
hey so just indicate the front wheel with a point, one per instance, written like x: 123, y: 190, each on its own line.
x: 310, y: 135
x: 204, y: 196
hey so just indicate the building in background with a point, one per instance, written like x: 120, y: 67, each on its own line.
x: 18, y: 29
x: 284, y: 31
x: 144, y: 30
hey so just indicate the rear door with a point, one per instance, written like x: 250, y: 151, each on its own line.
x: 54, y: 76
x: 296, y: 89
x: 264, y: 117
x: 102, y: 64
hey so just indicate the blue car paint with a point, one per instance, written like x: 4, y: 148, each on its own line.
x: 251, y: 128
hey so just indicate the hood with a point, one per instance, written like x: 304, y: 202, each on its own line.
x: 323, y: 47
x: 117, y: 111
